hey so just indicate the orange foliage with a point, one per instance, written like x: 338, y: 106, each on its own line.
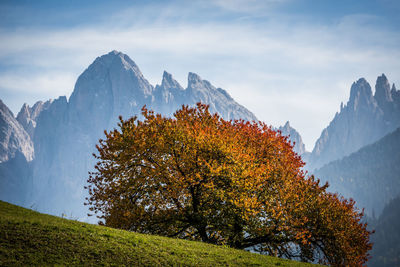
x: 199, y: 177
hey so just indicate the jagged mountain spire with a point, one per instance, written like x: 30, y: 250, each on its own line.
x: 360, y: 93
x: 13, y: 138
x: 193, y: 79
x: 169, y: 82
x: 382, y: 90
x: 294, y: 138
x: 28, y: 116
x: 364, y: 120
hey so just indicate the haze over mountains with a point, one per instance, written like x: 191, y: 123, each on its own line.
x: 13, y: 137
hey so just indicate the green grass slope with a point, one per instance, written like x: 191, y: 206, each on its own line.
x: 30, y: 238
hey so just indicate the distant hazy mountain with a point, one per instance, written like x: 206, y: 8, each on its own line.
x: 371, y: 176
x: 169, y: 96
x: 365, y: 119
x: 16, y: 150
x: 27, y: 116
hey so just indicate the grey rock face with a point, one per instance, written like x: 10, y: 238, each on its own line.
x: 27, y: 116
x: 111, y: 86
x: 16, y: 149
x: 294, y: 138
x: 365, y: 119
x: 67, y: 131
x: 168, y: 96
x: 13, y: 137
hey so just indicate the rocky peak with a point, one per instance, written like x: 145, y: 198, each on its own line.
x: 25, y: 111
x: 286, y: 126
x: 201, y: 88
x: 111, y: 86
x: 114, y: 55
x: 27, y: 116
x: 13, y: 137
x: 168, y: 96
x: 382, y: 90
x: 294, y: 138
x: 219, y: 100
x: 24, y: 118
x: 360, y: 93
x: 194, y: 80
x: 364, y: 120
x: 395, y: 94
x: 5, y: 111
x: 169, y: 82
x: 117, y: 62
x: 39, y: 106
x: 118, y: 59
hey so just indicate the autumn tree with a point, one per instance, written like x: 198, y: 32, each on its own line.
x: 196, y: 176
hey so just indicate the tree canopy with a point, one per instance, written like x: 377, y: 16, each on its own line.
x: 197, y: 176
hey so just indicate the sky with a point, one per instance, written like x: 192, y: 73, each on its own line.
x: 284, y: 60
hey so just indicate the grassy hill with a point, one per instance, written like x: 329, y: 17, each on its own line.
x: 30, y: 238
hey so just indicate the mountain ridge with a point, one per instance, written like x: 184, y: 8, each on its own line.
x: 64, y: 131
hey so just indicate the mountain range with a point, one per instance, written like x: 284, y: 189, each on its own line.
x: 57, y: 137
